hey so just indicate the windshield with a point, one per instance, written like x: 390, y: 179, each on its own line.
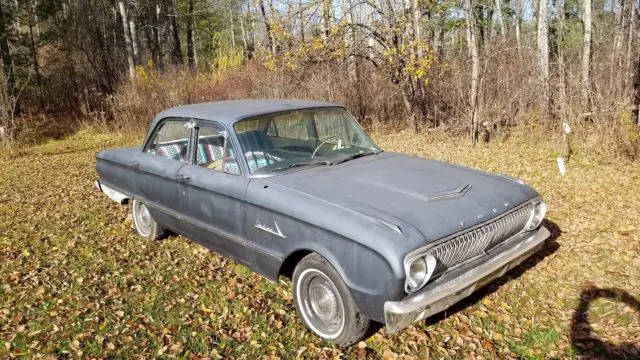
x: 278, y: 141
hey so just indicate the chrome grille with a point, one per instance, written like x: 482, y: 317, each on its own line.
x: 475, y: 242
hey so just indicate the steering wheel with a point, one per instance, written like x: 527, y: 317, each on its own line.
x: 322, y: 143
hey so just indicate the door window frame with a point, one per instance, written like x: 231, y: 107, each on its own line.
x: 229, y: 143
x: 159, y: 126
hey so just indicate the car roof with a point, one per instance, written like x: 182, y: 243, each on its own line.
x: 230, y: 111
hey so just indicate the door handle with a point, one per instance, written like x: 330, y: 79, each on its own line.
x: 183, y: 178
x: 134, y: 164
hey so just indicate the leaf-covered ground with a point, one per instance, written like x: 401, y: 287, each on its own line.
x: 78, y: 282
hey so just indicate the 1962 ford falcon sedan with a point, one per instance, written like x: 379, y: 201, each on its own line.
x: 298, y: 189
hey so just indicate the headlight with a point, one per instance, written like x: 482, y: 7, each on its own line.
x: 419, y: 271
x: 537, y: 215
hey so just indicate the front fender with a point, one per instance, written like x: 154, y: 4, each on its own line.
x: 367, y: 274
x: 281, y: 223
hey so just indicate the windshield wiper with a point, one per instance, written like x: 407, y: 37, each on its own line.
x: 354, y: 156
x: 307, y: 163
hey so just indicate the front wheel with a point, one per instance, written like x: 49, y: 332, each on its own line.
x: 144, y: 223
x: 324, y: 302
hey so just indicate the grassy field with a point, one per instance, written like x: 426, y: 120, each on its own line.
x: 78, y: 282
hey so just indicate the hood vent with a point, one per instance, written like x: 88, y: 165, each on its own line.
x: 449, y: 194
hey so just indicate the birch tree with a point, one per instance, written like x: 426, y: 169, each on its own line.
x: 543, y: 54
x: 618, y: 42
x: 176, y: 53
x: 472, y: 39
x: 498, y: 6
x: 518, y: 23
x: 586, y: 56
x: 134, y: 34
x: 630, y: 46
x: 127, y: 38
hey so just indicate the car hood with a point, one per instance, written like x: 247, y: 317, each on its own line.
x: 436, y: 198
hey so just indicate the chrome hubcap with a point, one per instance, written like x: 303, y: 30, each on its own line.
x: 143, y: 219
x: 321, y: 303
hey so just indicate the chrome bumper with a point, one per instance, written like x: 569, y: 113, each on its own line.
x: 460, y: 283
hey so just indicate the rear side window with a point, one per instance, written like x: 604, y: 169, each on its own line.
x: 171, y: 140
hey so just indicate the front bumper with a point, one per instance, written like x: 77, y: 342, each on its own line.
x: 460, y: 283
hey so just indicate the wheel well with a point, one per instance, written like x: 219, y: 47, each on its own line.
x: 289, y: 264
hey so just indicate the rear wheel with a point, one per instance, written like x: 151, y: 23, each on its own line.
x: 324, y: 302
x: 144, y: 223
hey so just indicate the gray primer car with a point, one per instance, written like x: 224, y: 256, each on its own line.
x: 297, y: 188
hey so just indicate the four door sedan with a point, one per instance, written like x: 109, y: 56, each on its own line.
x: 298, y: 189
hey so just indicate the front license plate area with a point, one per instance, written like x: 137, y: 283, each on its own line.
x: 492, y: 276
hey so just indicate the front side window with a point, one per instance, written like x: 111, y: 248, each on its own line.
x: 171, y: 140
x: 273, y: 142
x: 213, y: 151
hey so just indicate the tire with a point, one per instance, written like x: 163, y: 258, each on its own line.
x: 145, y: 225
x: 324, y: 303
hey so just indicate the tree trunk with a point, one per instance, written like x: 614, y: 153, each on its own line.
x: 562, y: 90
x: 438, y: 38
x: 636, y: 89
x: 191, y: 50
x: 271, y: 41
x: 8, y: 103
x: 586, y: 56
x: 157, y: 35
x: 232, y: 30
x: 349, y: 41
x: 543, y: 53
x: 134, y: 36
x: 301, y: 15
x: 326, y: 19
x: 127, y: 39
x: 36, y: 64
x: 518, y: 24
x: 176, y: 54
x: 628, y: 77
x: 245, y: 48
x: 618, y: 41
x: 475, y: 68
x: 500, y: 19
x: 5, y: 53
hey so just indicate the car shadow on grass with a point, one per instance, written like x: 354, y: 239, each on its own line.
x: 586, y: 342
x: 550, y: 247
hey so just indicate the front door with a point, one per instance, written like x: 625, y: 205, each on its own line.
x: 157, y: 167
x: 212, y: 194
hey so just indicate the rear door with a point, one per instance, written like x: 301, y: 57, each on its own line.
x: 212, y: 193
x: 157, y: 166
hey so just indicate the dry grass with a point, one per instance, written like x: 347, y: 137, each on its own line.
x: 78, y: 282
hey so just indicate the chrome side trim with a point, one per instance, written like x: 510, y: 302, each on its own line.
x: 456, y: 285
